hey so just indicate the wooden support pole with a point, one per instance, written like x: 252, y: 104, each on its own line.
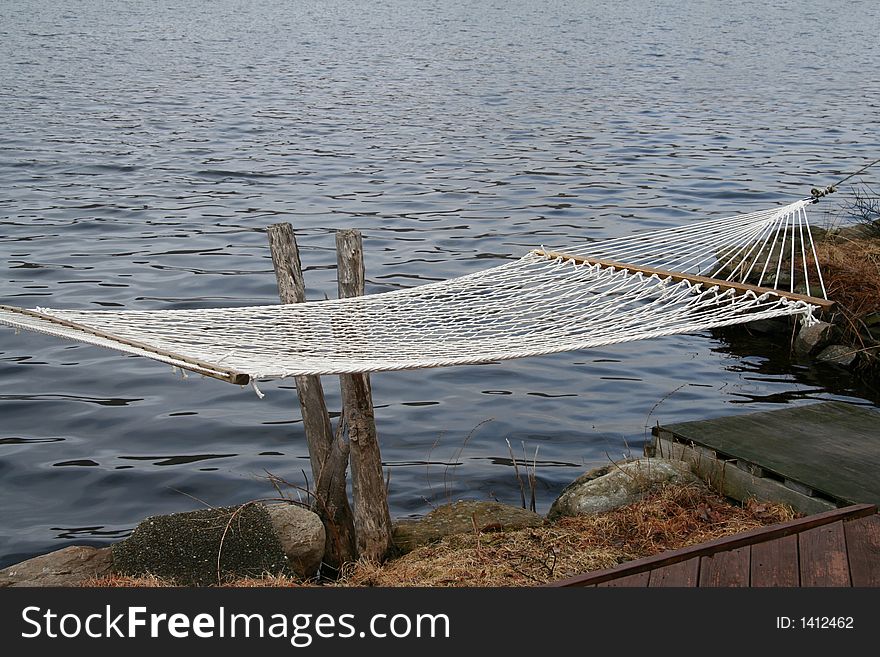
x: 328, y: 453
x: 372, y: 520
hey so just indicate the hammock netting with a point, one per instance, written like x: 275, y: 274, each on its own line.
x: 548, y: 301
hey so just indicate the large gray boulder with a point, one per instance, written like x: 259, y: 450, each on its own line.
x: 70, y: 566
x: 210, y: 546
x: 460, y: 518
x: 616, y: 485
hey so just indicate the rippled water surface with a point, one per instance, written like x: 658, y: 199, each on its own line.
x: 144, y: 147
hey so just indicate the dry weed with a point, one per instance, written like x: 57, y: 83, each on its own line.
x: 851, y: 270
x: 671, y: 517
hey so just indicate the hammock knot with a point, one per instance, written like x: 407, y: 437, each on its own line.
x: 817, y: 193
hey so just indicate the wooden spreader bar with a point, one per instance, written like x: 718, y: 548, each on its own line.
x: 706, y: 281
x: 185, y: 362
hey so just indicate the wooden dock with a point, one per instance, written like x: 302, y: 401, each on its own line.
x: 816, y: 457
x: 839, y: 548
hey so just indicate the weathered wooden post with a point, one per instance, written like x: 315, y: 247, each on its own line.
x: 372, y: 520
x: 328, y: 453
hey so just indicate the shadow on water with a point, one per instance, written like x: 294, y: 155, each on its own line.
x: 762, y: 356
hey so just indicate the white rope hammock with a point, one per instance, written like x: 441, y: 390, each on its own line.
x: 680, y: 280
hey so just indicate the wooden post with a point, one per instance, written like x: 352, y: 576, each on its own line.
x: 328, y: 453
x: 372, y: 520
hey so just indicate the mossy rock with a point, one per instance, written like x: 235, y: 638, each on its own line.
x: 185, y: 546
x: 616, y: 485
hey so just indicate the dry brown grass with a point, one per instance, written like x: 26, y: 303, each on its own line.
x: 851, y: 269
x: 151, y: 581
x: 123, y: 581
x: 671, y: 517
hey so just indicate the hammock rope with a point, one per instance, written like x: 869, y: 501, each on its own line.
x: 707, y: 274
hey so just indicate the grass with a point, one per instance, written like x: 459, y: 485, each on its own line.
x: 850, y: 257
x: 671, y: 517
x: 851, y: 269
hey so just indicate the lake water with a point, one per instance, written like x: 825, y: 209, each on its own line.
x: 144, y: 147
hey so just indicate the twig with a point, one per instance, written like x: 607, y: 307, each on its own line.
x: 477, y: 534
x: 522, y: 490
x: 660, y: 401
x: 305, y: 478
x: 274, y: 481
x: 525, y: 574
x: 177, y: 490
x: 458, y: 456
x: 225, y: 531
x: 533, y: 481
x: 328, y: 512
x: 552, y: 567
x: 428, y: 469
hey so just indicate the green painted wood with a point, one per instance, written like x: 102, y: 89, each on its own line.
x: 831, y: 447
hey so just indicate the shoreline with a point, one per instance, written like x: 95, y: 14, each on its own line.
x: 669, y: 514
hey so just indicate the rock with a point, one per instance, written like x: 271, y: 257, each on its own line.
x: 67, y: 567
x: 250, y: 540
x: 769, y: 326
x: 301, y: 534
x: 872, y: 319
x: 857, y: 231
x: 871, y: 333
x: 812, y: 339
x: 462, y: 517
x: 613, y: 486
x: 839, y: 354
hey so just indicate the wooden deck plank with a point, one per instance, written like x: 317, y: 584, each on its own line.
x: 823, y: 559
x: 683, y: 573
x: 736, y: 483
x: 863, y: 549
x: 775, y: 563
x: 728, y: 568
x: 637, y: 580
x: 718, y: 545
x: 831, y: 447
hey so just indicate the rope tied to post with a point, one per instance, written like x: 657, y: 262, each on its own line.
x: 816, y: 193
